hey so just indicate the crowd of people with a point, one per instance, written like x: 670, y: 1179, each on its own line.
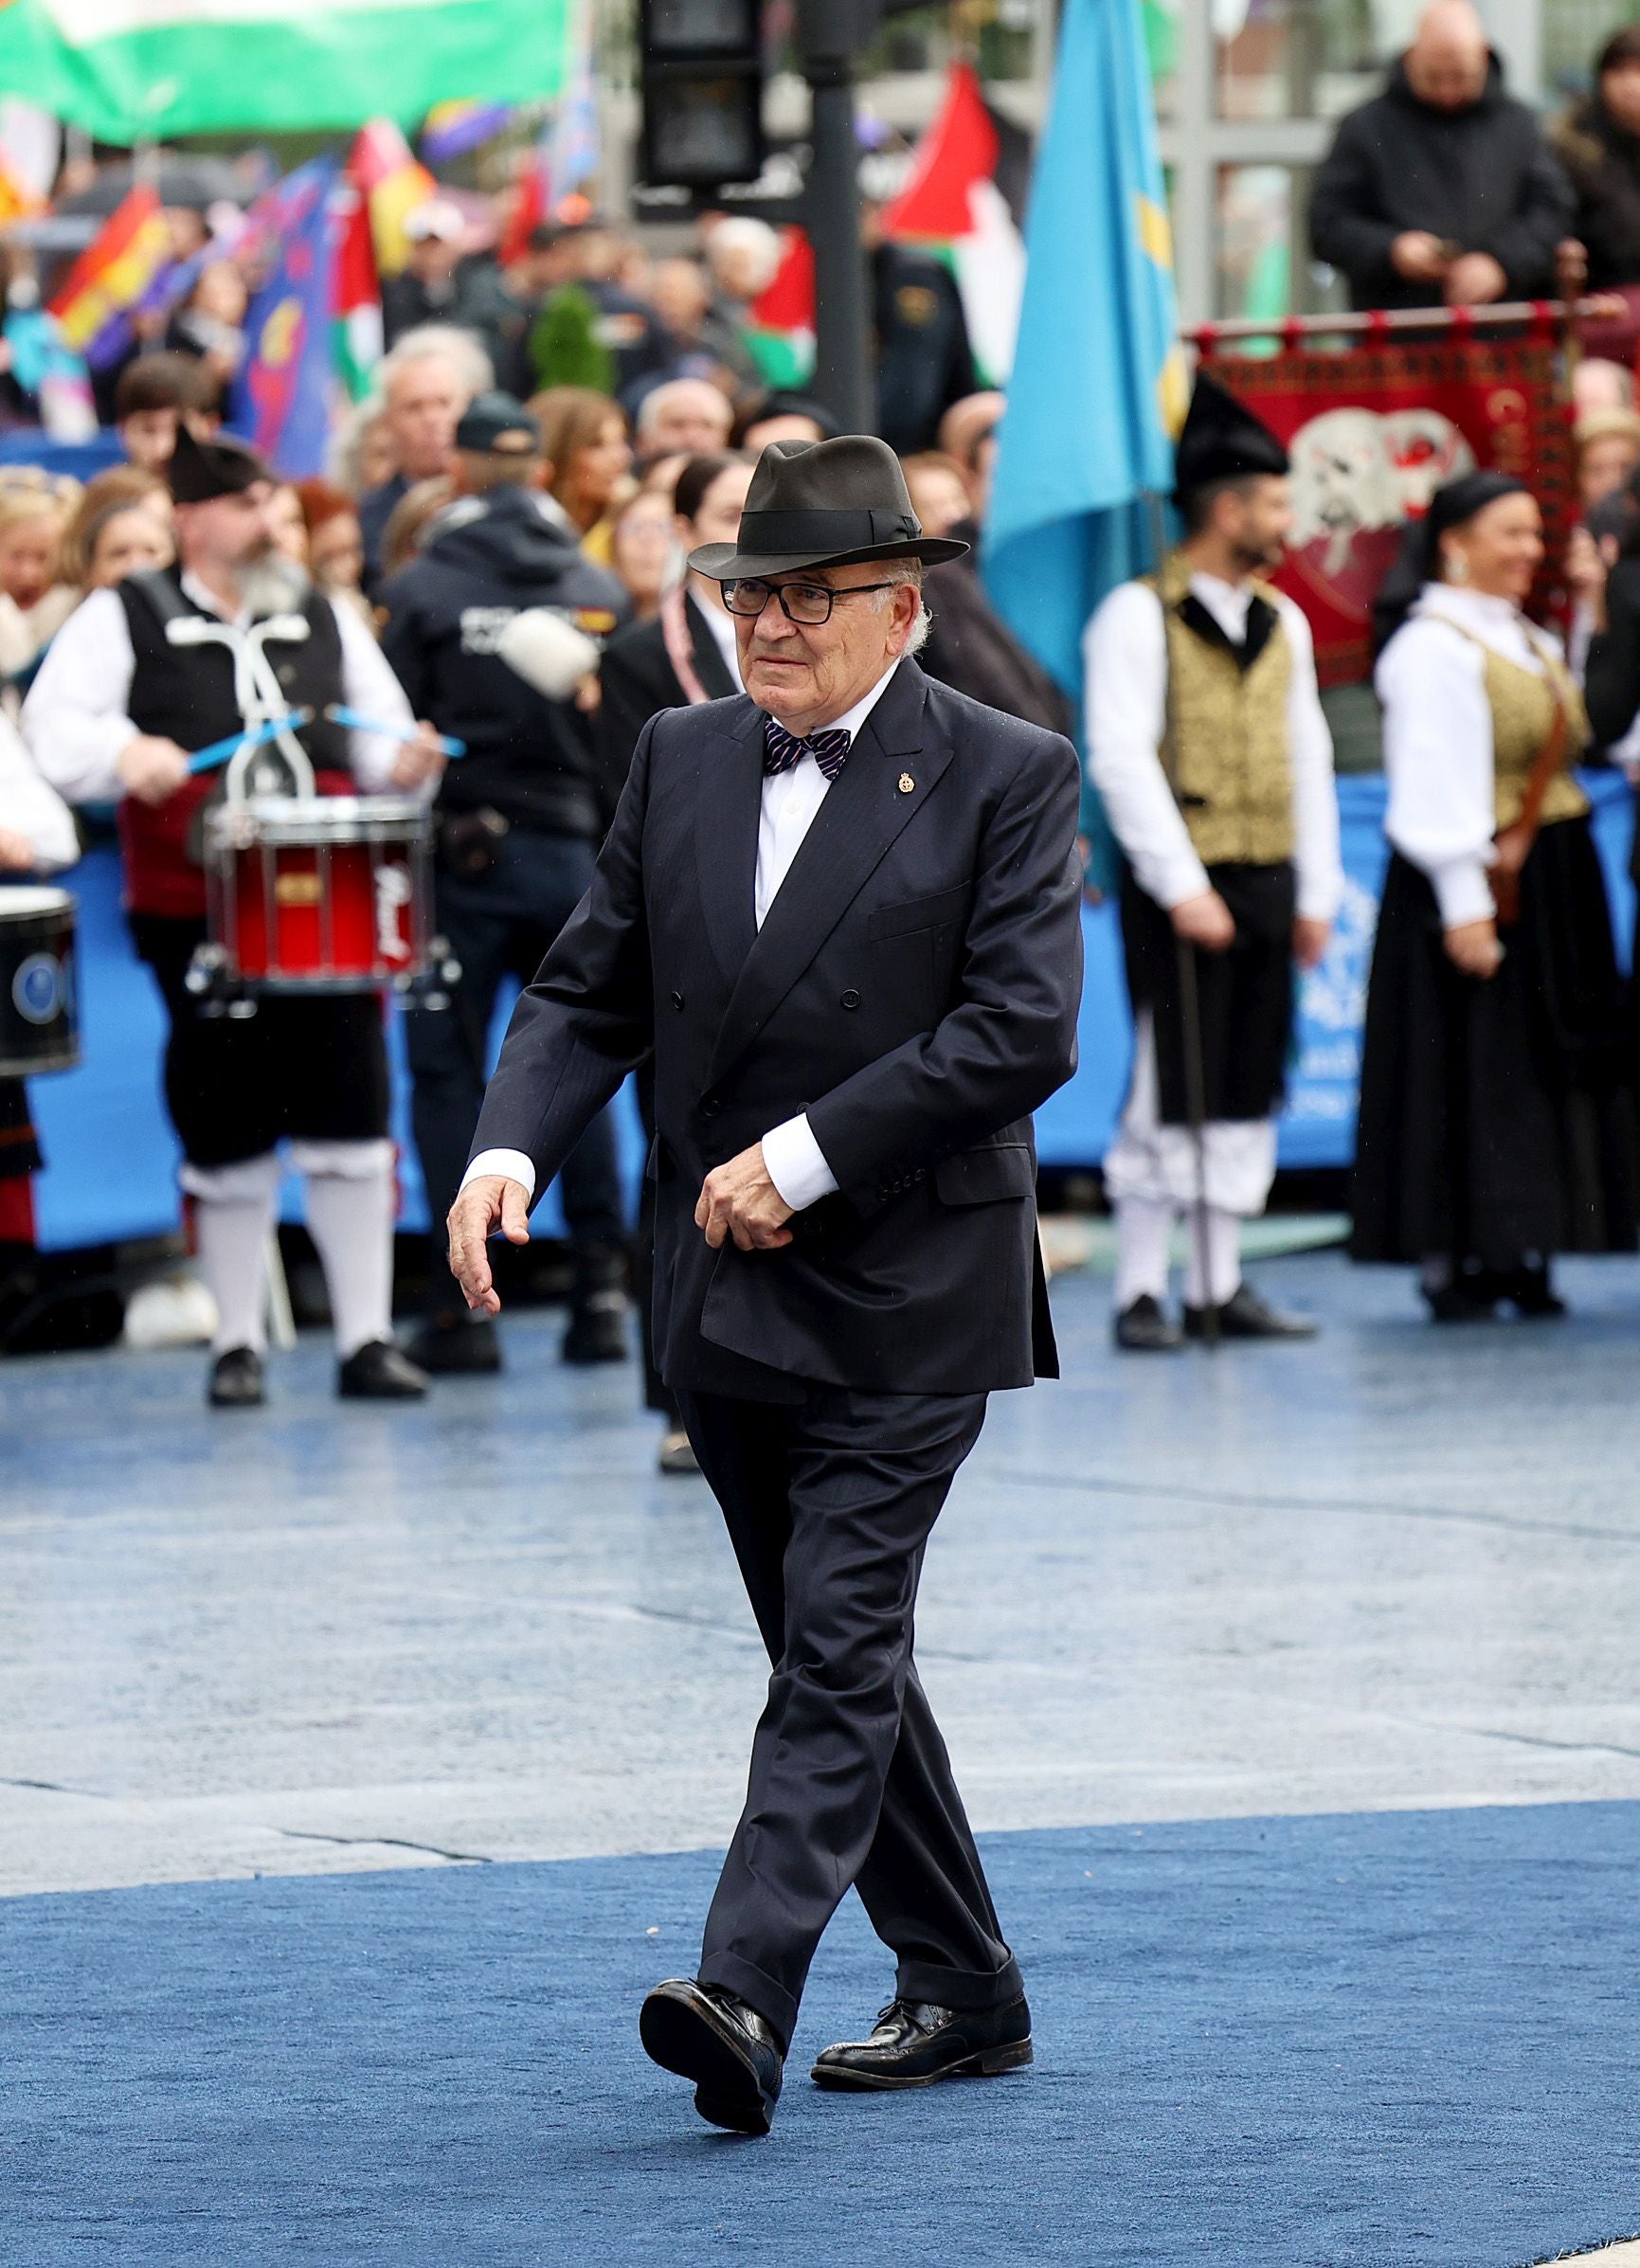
x: 453, y: 513
x: 496, y: 557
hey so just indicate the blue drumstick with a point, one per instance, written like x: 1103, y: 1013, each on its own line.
x: 253, y: 736
x: 356, y: 721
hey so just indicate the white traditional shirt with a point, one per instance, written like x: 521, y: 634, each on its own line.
x: 32, y: 808
x: 791, y: 801
x: 75, y: 717
x: 1125, y: 651
x: 1431, y: 678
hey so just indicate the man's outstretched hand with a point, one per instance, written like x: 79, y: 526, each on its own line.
x: 739, y: 1200
x: 491, y: 1200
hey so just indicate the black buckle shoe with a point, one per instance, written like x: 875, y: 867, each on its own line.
x: 597, y: 1331
x: 457, y: 1345
x: 1145, y: 1329
x: 916, y: 2043
x: 1528, y: 1290
x: 236, y: 1381
x: 380, y: 1371
x: 707, y: 2034
x: 1244, y: 1315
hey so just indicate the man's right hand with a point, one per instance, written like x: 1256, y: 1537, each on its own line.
x: 151, y: 767
x: 1418, y: 256
x: 1205, y: 920
x: 491, y: 1199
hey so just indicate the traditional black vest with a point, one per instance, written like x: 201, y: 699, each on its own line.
x: 186, y: 694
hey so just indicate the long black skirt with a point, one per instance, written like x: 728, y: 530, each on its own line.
x: 1497, y: 1117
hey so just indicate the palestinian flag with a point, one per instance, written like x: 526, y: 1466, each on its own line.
x: 779, y: 334
x: 955, y: 202
x: 143, y: 70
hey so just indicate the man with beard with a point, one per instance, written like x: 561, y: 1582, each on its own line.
x: 1207, y: 742
x: 119, y: 701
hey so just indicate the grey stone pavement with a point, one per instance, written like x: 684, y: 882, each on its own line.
x: 1399, y: 1567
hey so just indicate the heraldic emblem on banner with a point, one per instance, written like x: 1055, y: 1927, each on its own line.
x: 1373, y: 431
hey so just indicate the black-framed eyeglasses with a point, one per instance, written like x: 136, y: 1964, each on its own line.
x: 808, y: 604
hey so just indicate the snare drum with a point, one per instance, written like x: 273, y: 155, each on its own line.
x: 330, y: 893
x: 39, y: 1013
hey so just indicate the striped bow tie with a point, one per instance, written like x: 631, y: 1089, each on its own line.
x: 781, y: 750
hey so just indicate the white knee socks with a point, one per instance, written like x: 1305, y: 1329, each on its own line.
x: 1144, y: 1228
x: 351, y: 1200
x: 234, y: 1208
x: 1223, y: 1258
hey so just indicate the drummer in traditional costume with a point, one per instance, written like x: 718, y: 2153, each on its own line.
x: 174, y: 660
x: 1208, y: 746
x: 1496, y: 1125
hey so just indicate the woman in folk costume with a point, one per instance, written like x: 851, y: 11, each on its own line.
x: 1496, y: 1124
x: 1207, y: 744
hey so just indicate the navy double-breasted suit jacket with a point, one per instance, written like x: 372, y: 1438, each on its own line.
x: 914, y: 988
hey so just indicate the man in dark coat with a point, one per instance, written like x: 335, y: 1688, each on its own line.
x: 925, y: 362
x: 1599, y: 143
x: 842, y: 911
x: 519, y: 819
x: 1441, y: 190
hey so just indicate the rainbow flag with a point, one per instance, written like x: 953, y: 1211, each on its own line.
x: 451, y: 129
x: 114, y: 274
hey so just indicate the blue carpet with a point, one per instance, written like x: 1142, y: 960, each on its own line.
x: 1397, y: 2039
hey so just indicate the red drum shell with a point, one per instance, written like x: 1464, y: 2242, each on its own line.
x: 328, y: 893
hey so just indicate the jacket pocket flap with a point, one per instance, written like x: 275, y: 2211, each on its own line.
x: 919, y: 913
x: 999, y: 1169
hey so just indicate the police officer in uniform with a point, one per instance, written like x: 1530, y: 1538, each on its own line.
x: 165, y: 662
x: 1207, y: 742
x: 520, y: 818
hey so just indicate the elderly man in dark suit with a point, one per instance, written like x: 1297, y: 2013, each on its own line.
x: 842, y: 908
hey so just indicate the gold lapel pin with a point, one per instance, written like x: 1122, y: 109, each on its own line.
x: 907, y: 783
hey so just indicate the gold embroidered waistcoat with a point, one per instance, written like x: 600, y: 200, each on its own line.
x: 1230, y: 736
x: 1523, y: 707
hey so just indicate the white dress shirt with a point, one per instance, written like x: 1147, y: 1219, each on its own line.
x: 75, y: 717
x: 1125, y: 654
x: 796, y: 1164
x: 32, y: 808
x: 1430, y: 678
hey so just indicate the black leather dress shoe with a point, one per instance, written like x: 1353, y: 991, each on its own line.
x: 597, y: 1330
x: 1244, y: 1315
x: 1145, y: 1329
x: 916, y: 2043
x: 236, y: 1381
x: 709, y: 2035
x: 451, y: 1346
x: 380, y: 1371
x: 1528, y: 1290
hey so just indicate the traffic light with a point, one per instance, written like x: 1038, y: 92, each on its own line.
x: 702, y: 67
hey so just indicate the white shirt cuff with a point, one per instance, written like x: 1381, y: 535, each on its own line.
x: 797, y: 1164
x: 514, y: 1164
x: 1462, y: 893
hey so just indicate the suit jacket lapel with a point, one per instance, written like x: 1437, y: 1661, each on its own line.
x: 729, y: 801
x: 709, y: 666
x: 863, y: 811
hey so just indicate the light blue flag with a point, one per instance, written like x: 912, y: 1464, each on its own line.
x: 1098, y: 382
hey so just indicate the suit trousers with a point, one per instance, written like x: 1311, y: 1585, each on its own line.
x: 829, y: 1505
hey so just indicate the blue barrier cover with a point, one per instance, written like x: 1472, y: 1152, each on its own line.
x: 111, y: 1170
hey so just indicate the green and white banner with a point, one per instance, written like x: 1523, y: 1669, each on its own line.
x: 129, y: 70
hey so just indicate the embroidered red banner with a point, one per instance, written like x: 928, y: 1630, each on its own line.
x: 1374, y: 430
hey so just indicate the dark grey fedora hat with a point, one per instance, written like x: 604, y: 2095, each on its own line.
x: 826, y: 503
